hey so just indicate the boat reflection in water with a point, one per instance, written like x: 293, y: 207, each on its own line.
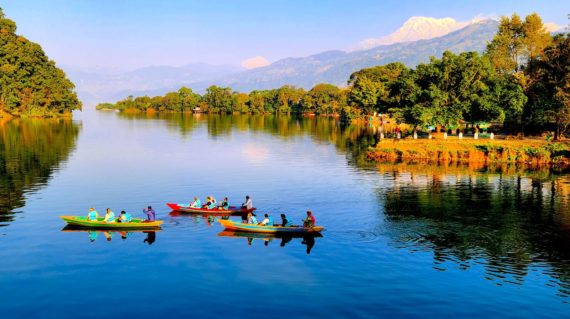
x: 93, y: 234
x: 307, y: 239
x: 209, y: 219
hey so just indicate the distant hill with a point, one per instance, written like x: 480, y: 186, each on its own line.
x: 327, y: 67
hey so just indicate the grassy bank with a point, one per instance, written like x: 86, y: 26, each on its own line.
x: 529, y: 152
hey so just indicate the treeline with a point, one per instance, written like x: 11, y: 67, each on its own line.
x: 30, y: 84
x: 521, y: 80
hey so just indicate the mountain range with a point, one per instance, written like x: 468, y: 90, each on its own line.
x: 327, y: 67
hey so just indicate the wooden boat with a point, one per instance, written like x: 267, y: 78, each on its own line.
x: 195, y: 210
x: 253, y: 228
x: 81, y: 221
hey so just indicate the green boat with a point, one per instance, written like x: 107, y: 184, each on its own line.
x: 81, y: 221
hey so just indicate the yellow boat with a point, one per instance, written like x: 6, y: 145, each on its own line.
x: 81, y: 221
x: 252, y: 228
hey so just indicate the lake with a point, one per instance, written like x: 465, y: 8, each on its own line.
x: 402, y: 240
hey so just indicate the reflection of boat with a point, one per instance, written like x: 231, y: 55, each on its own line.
x: 81, y: 221
x: 124, y: 233
x: 238, y: 226
x: 308, y: 238
x: 196, y: 210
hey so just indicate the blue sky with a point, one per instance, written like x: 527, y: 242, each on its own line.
x: 134, y: 33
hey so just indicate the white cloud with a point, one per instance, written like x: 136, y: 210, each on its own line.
x: 553, y: 27
x: 255, y: 62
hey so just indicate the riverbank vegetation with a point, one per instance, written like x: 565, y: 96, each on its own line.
x: 30, y: 84
x: 521, y: 84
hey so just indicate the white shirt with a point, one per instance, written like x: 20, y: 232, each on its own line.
x: 249, y: 204
x: 265, y: 221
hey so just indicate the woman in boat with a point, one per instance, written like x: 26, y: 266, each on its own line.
x: 93, y: 214
x: 212, y: 203
x: 109, y: 216
x: 125, y: 217
x: 251, y: 219
x: 196, y: 203
x: 285, y: 221
x: 224, y: 205
x: 310, y: 221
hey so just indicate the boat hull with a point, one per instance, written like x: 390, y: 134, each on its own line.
x: 253, y: 228
x: 195, y: 210
x: 80, y: 221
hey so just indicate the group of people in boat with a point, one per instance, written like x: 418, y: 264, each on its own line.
x: 251, y: 218
x: 124, y: 217
x: 211, y: 203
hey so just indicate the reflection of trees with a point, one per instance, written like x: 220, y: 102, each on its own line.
x: 507, y: 223
x: 29, y: 152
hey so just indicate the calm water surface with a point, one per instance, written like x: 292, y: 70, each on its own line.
x: 402, y: 240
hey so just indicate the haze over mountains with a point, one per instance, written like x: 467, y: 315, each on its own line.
x: 417, y: 40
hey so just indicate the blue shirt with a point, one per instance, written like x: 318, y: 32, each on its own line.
x: 150, y: 214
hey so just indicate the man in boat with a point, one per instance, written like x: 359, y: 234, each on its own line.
x: 150, y: 214
x: 125, y: 217
x: 310, y: 221
x: 267, y: 221
x: 285, y: 221
x: 224, y: 205
x: 109, y: 216
x: 248, y: 203
x: 196, y: 203
x: 93, y: 214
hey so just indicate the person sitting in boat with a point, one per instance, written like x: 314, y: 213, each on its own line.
x: 285, y: 221
x: 109, y: 216
x: 150, y: 214
x: 196, y: 203
x: 210, y: 203
x: 310, y: 221
x: 125, y: 217
x: 267, y: 221
x: 93, y: 214
x: 248, y: 204
x: 224, y: 205
x: 251, y: 219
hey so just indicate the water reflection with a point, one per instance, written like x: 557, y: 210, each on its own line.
x: 510, y: 224
x: 307, y: 240
x: 110, y: 235
x: 30, y: 150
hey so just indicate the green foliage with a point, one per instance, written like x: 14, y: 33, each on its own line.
x: 30, y: 84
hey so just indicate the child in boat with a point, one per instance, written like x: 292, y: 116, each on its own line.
x: 125, y: 217
x: 109, y: 216
x: 224, y: 205
x: 267, y: 221
x: 310, y: 221
x: 93, y: 214
x: 196, y: 203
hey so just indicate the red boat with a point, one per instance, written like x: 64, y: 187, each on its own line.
x: 195, y: 210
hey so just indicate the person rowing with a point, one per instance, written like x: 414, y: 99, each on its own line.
x: 248, y: 203
x: 285, y: 221
x: 224, y: 205
x: 150, y: 214
x: 109, y: 216
x: 196, y: 203
x: 93, y: 214
x: 125, y: 217
x: 310, y: 221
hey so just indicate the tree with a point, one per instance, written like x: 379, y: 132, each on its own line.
x: 321, y: 99
x: 550, y: 93
x: 219, y: 99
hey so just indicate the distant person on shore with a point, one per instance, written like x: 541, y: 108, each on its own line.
x: 310, y: 221
x: 125, y: 217
x: 251, y: 219
x: 150, y: 214
x: 284, y: 221
x: 196, y: 203
x: 248, y: 203
x: 109, y: 216
x: 93, y: 214
x: 224, y: 205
